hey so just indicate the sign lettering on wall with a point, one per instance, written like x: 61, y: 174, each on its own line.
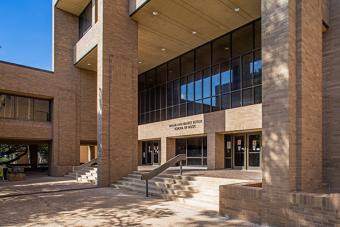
x: 185, y: 125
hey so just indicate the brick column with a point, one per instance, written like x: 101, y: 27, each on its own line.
x: 215, y: 148
x: 292, y: 110
x: 117, y: 92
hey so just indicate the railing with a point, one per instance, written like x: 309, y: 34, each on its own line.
x: 87, y: 164
x: 172, y: 162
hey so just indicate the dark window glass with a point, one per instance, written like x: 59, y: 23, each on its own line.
x: 206, y: 85
x: 190, y: 94
x: 215, y: 81
x: 181, y: 146
x: 41, y: 110
x: 225, y: 102
x: 215, y: 103
x: 175, y: 111
x: 163, y: 96
x: 242, y: 40
x: 203, y: 57
x: 177, y: 92
x: 169, y: 93
x: 187, y: 63
x: 194, y: 161
x: 183, y: 110
x: 257, y: 34
x: 221, y: 49
x: 6, y: 106
x: 247, y: 97
x: 257, y: 68
x: 235, y: 75
x: 173, y: 69
x: 161, y: 72
x: 183, y: 89
x: 163, y: 114
x: 157, y: 98
x: 85, y: 20
x: 235, y: 99
x: 152, y: 116
x: 198, y: 107
x: 258, y: 94
x: 150, y: 78
x: 152, y: 99
x: 206, y: 105
x: 141, y: 82
x: 169, y: 113
x: 194, y: 148
x: 158, y: 115
x: 225, y: 78
x: 198, y: 86
x: 147, y: 101
x: 205, y: 145
x: 191, y: 110
x: 247, y: 70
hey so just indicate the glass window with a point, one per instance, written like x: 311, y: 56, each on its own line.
x: 175, y: 111
x: 215, y: 103
x: 247, y: 70
x: 187, y: 63
x: 191, y: 110
x: 173, y: 69
x: 41, y: 110
x: 190, y: 94
x: 198, y: 86
x: 247, y: 97
x: 225, y: 102
x: 194, y: 148
x: 258, y: 94
x: 206, y: 105
x: 206, y: 85
x: 257, y: 68
x: 169, y: 93
x: 163, y: 96
x: 161, y: 72
x: 225, y: 78
x: 183, y: 110
x: 152, y: 99
x: 242, y: 40
x: 6, y: 106
x: 169, y: 113
x: 215, y: 81
x: 150, y: 79
x: 85, y: 20
x: 221, y: 50
x: 198, y: 107
x: 235, y: 75
x: 236, y: 99
x: 24, y: 108
x: 141, y: 82
x: 203, y: 56
x: 177, y: 92
x: 183, y: 89
x: 258, y: 34
x: 157, y: 98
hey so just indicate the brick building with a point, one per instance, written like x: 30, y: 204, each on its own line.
x: 232, y: 84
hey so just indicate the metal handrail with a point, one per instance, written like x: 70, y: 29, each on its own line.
x: 172, y: 162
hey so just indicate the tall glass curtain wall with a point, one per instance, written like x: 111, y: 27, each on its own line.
x: 195, y: 149
x: 224, y: 73
x: 24, y: 108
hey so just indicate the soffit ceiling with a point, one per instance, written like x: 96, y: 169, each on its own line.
x: 74, y: 7
x: 173, y: 27
x: 89, y: 61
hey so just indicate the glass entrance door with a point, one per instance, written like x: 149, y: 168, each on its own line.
x: 239, y: 151
x: 254, y: 151
x: 151, y: 152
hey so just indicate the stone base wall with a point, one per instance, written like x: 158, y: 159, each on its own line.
x: 241, y: 201
x: 305, y: 209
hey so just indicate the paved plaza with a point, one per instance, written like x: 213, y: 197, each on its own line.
x: 47, y: 201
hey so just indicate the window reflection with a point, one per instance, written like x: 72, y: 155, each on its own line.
x: 224, y: 73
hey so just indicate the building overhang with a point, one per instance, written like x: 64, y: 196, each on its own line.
x: 74, y: 7
x: 167, y: 29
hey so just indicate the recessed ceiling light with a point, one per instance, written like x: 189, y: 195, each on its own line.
x: 89, y: 64
x: 194, y: 32
x: 140, y: 62
x: 155, y: 13
x: 237, y: 9
x: 226, y: 48
x: 163, y: 49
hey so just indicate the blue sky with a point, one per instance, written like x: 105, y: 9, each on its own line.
x: 26, y: 32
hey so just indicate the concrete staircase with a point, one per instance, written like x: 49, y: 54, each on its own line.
x: 202, y: 192
x: 84, y: 174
